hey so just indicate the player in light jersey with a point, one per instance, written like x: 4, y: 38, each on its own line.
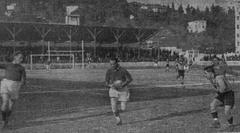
x: 14, y: 79
x: 176, y: 64
x: 216, y: 73
x: 180, y: 67
x: 190, y: 64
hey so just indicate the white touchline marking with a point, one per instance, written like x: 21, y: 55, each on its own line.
x: 143, y: 87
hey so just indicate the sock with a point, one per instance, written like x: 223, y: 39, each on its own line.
x: 214, y: 115
x: 230, y: 120
x: 4, y: 115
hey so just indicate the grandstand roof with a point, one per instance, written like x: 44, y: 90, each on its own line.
x: 163, y: 38
x: 58, y: 32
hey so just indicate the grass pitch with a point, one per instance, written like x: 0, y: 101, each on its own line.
x: 76, y: 101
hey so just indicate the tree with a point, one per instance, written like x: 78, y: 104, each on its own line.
x: 173, y: 7
x: 180, y: 15
x: 180, y: 9
x: 206, y: 13
x: 168, y: 15
x: 188, y: 10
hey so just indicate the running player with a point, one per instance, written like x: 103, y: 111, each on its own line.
x: 176, y: 64
x: 120, y: 93
x: 13, y: 80
x: 224, y: 93
x: 190, y: 64
x: 180, y: 67
x: 167, y: 66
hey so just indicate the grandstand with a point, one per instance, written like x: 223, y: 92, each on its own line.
x: 52, y: 32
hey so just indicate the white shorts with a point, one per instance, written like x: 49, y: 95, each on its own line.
x: 11, y: 88
x: 122, y: 96
x: 186, y: 67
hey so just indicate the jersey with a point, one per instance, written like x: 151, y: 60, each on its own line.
x: 181, y: 63
x: 220, y: 81
x: 14, y: 72
x: 117, y: 74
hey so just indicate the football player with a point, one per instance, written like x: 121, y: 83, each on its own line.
x: 117, y: 80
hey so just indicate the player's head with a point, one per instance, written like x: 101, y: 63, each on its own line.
x: 114, y: 62
x: 18, y: 57
x: 216, y: 60
x: 209, y: 75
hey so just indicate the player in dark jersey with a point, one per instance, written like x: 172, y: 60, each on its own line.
x: 180, y: 67
x: 14, y: 79
x: 167, y: 66
x: 121, y: 92
x: 216, y: 73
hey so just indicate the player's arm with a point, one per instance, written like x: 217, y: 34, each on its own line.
x: 210, y: 76
x: 23, y: 79
x: 107, y: 80
x: 128, y: 79
x: 209, y: 72
x: 208, y: 68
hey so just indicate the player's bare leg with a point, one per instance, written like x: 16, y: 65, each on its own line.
x: 182, y: 80
x: 167, y: 69
x: 10, y: 107
x: 228, y: 117
x: 5, y: 109
x: 115, y: 110
x: 123, y: 106
x: 214, y: 113
x: 178, y: 76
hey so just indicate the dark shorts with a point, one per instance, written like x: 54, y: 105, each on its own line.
x: 181, y: 73
x: 227, y: 98
x: 167, y: 65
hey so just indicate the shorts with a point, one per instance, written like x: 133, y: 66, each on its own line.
x: 11, y: 88
x: 122, y: 96
x: 167, y: 65
x: 227, y: 98
x: 181, y: 73
x: 186, y: 67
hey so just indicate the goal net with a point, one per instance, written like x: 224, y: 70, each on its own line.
x: 52, y: 61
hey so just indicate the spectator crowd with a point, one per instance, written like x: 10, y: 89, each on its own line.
x: 103, y: 54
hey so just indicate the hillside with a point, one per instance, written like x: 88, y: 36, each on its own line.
x: 220, y: 24
x: 201, y: 4
x: 91, y: 11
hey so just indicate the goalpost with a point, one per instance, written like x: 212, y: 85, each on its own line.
x: 53, y: 61
x: 56, y: 59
